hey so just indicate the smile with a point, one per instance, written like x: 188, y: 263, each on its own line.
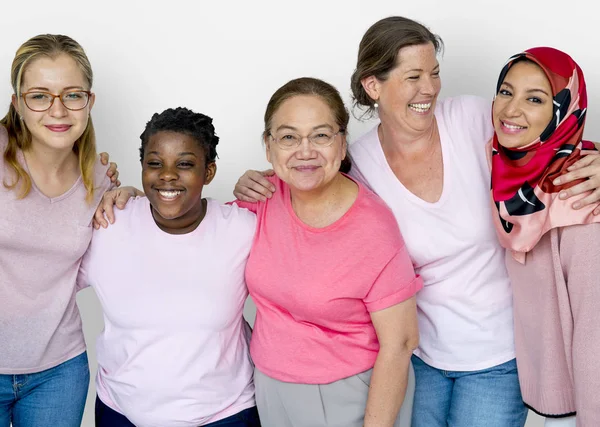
x: 169, y: 194
x: 58, y: 128
x: 420, y: 108
x: 512, y: 127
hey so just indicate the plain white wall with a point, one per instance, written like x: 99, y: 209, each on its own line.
x: 226, y: 58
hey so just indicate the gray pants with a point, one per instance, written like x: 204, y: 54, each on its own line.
x: 338, y: 404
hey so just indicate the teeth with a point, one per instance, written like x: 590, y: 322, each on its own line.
x: 421, y: 108
x: 513, y: 126
x: 169, y: 194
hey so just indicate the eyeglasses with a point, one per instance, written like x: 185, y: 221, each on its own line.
x: 320, y: 139
x: 73, y: 100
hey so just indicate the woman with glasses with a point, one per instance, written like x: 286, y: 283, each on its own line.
x: 332, y: 281
x: 52, y: 182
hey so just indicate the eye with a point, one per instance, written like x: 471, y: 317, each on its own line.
x: 504, y: 92
x: 73, y: 95
x: 435, y: 74
x: 153, y: 164
x: 288, y: 137
x: 413, y: 78
x: 186, y: 165
x: 535, y: 100
x: 37, y: 96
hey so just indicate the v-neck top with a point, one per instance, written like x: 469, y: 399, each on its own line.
x: 42, y: 240
x: 465, y: 307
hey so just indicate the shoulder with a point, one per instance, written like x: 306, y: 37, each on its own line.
x: 101, y: 181
x: 231, y: 217
x: 467, y: 114
x: 376, y: 218
x: 361, y: 145
x: 133, y: 214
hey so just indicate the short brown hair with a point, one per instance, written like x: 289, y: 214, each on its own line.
x: 316, y: 87
x: 378, y: 52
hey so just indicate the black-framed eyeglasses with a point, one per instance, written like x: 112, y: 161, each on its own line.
x: 287, y: 140
x: 73, y: 100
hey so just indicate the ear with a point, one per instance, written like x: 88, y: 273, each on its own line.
x: 211, y: 171
x: 267, y: 141
x: 371, y: 85
x: 15, y: 103
x: 91, y: 101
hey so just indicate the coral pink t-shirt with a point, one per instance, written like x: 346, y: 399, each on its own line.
x: 314, y: 288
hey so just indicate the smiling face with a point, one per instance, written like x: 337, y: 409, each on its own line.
x: 523, y: 105
x: 174, y: 171
x: 56, y: 128
x: 305, y: 167
x: 407, y: 97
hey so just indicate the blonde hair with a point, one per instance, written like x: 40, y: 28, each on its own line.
x: 19, y: 137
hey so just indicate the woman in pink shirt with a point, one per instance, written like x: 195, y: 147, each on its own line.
x: 553, y: 255
x: 330, y: 276
x: 52, y: 181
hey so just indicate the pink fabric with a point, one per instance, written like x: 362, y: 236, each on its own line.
x: 314, y: 288
x: 465, y: 307
x: 557, y: 318
x: 42, y: 241
x: 174, y: 349
x: 522, y: 188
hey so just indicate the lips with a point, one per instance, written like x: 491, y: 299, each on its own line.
x: 511, y: 128
x: 58, y: 128
x: 422, y: 107
x: 306, y: 168
x: 169, y: 195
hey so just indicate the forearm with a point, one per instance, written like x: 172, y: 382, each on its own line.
x: 388, y: 387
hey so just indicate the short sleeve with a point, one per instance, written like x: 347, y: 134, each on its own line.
x: 251, y: 206
x: 476, y: 114
x: 396, y: 282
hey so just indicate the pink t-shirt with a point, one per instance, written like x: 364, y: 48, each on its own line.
x: 174, y: 349
x: 315, y: 287
x: 42, y: 240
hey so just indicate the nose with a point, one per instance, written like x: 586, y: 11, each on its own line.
x: 57, y: 109
x: 168, y: 174
x: 429, y: 85
x: 512, y: 108
x: 305, y: 149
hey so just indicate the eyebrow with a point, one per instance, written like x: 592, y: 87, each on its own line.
x: 184, y: 153
x: 325, y: 125
x: 528, y: 90
x: 421, y: 70
x: 45, y: 89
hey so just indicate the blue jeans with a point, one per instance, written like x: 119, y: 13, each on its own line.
x: 108, y: 417
x: 54, y: 397
x: 487, y: 398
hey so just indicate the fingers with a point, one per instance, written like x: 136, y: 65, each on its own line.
x: 268, y: 172
x: 260, y: 178
x: 591, y: 198
x: 123, y: 197
x: 112, y: 172
x: 104, y: 158
x: 247, y: 194
x: 99, y: 219
x: 583, y: 162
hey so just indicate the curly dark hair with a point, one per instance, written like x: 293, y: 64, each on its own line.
x: 182, y: 120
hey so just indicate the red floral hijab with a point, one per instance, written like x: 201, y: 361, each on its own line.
x: 522, y: 189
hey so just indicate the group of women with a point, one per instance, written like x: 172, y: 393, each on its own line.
x: 361, y: 258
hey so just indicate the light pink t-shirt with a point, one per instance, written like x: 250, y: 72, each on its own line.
x: 314, y: 288
x: 174, y: 349
x: 42, y: 241
x: 465, y: 307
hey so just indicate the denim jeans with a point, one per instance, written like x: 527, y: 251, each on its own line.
x: 108, y: 417
x: 487, y: 398
x: 54, y: 397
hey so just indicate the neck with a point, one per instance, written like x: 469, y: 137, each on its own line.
x: 49, y: 161
x: 396, y: 141
x: 184, y: 224
x: 319, y: 197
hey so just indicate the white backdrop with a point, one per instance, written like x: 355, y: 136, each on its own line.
x: 226, y: 58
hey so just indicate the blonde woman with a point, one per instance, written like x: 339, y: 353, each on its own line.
x: 51, y: 181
